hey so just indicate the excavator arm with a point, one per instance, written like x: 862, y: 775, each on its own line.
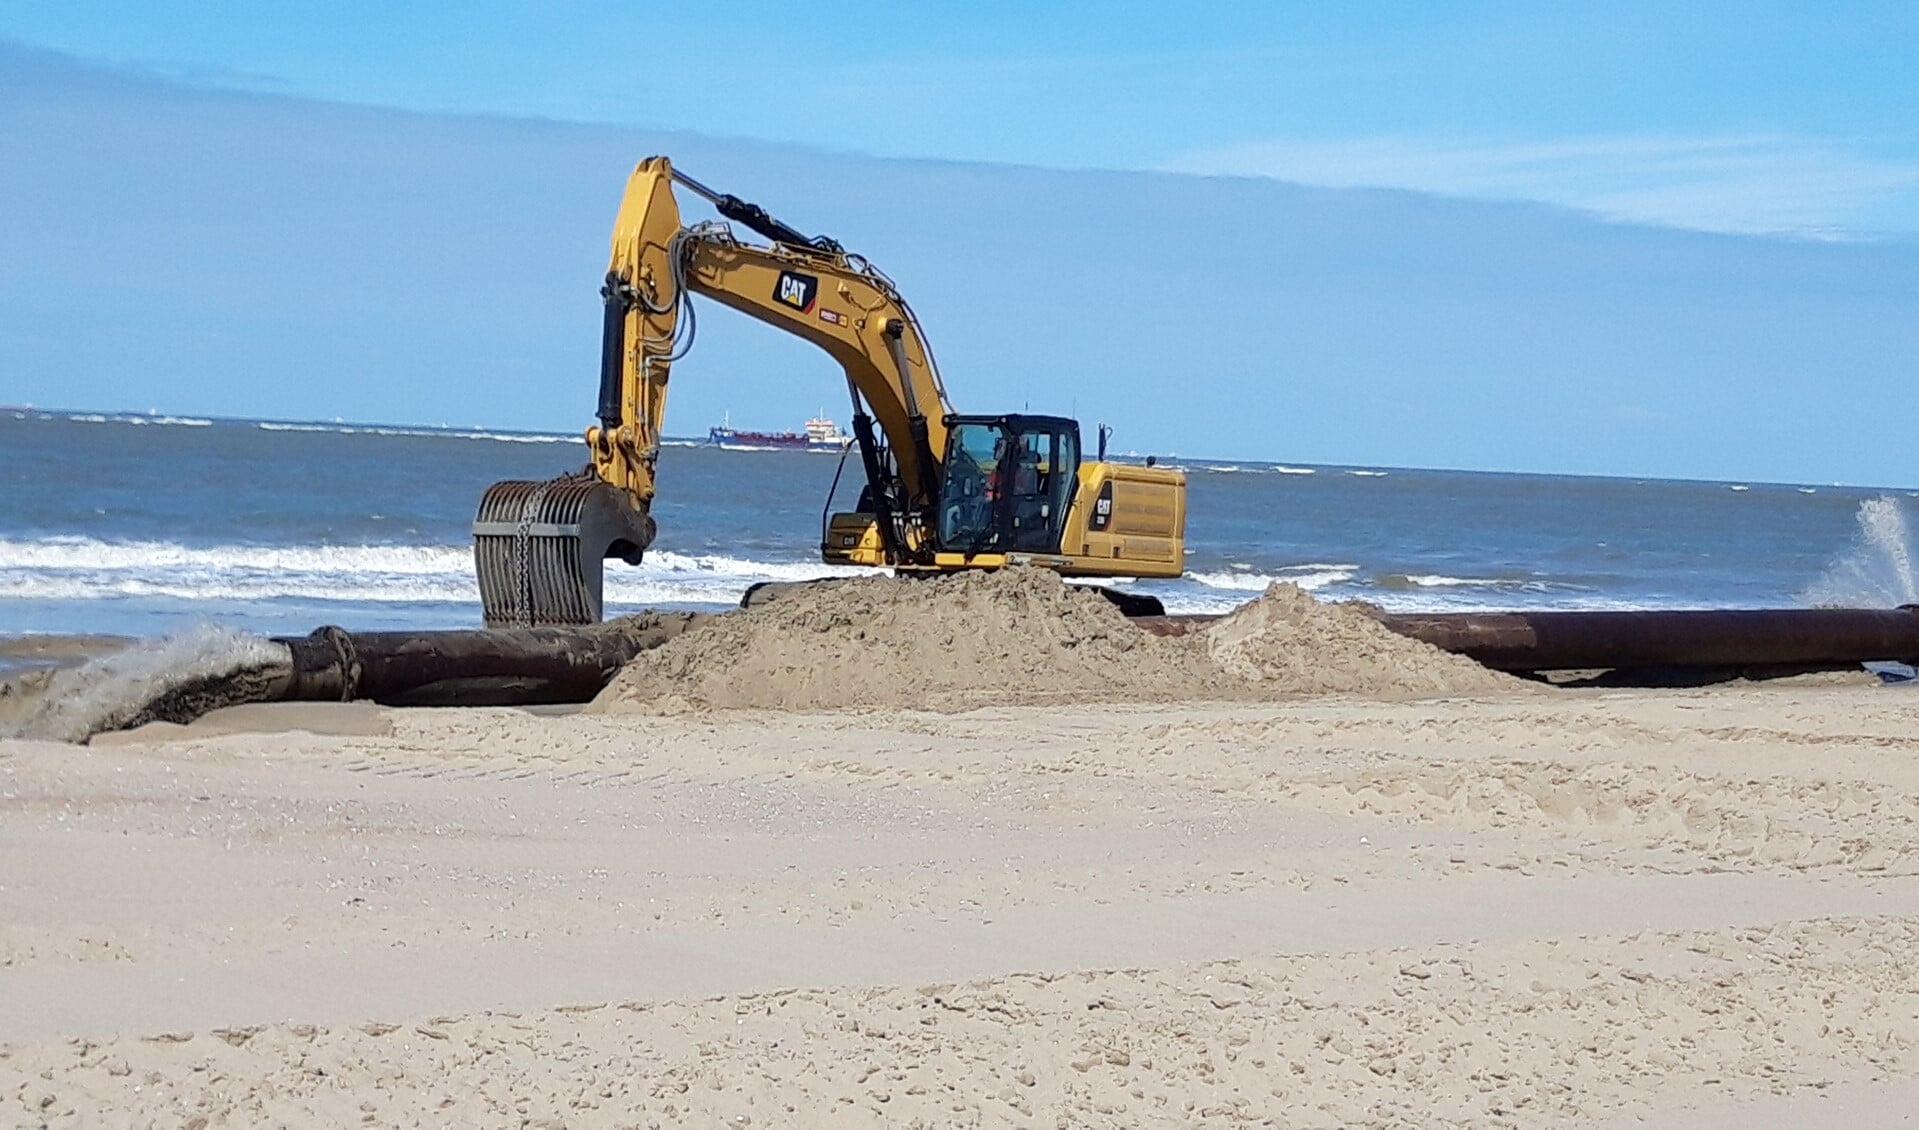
x: 810, y: 288
x: 539, y: 545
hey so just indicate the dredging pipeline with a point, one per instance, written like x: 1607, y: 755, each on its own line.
x: 1729, y: 641
x: 1753, y: 641
x: 494, y: 667
x: 556, y: 665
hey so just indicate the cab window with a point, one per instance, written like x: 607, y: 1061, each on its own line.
x: 1006, y: 490
x: 969, y: 522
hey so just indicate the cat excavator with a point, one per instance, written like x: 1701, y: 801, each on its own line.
x: 943, y: 491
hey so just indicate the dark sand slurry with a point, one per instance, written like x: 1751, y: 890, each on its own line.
x: 174, y: 678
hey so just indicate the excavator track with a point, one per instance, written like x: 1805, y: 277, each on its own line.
x: 540, y: 547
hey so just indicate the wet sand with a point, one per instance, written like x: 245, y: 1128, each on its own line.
x: 19, y: 654
x: 1683, y: 908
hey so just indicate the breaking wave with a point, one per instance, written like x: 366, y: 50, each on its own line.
x: 78, y: 569
x: 88, y: 569
x: 1311, y: 577
x: 428, y: 433
x: 168, y: 421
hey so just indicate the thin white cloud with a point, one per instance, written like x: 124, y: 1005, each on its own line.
x: 1751, y: 184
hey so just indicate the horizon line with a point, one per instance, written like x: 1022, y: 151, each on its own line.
x: 1206, y: 462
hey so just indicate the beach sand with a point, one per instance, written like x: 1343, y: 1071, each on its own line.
x: 1673, y: 908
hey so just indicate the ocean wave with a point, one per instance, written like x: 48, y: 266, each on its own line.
x: 1182, y: 599
x: 167, y: 421
x: 1308, y: 577
x: 1402, y: 582
x: 87, y: 569
x: 1200, y: 604
x: 1507, y: 600
x: 1185, y: 599
x: 1280, y: 469
x: 79, y: 553
x: 1439, y: 581
x: 77, y: 569
x: 429, y: 433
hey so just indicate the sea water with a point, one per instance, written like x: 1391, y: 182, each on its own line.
x: 142, y: 525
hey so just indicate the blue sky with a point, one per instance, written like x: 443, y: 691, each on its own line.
x: 1649, y: 244
x: 1767, y: 117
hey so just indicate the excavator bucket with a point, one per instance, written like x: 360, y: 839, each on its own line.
x: 539, y: 548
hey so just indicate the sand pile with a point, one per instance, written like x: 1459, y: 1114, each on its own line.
x: 175, y: 678
x: 946, y: 643
x: 1020, y: 636
x: 1291, y: 643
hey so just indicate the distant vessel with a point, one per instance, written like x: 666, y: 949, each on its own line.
x: 821, y: 434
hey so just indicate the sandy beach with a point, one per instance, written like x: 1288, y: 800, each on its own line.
x: 1056, y: 567
x: 1677, y: 908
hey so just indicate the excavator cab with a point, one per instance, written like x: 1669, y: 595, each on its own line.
x: 1008, y: 483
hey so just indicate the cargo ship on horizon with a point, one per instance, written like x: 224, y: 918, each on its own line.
x: 821, y: 434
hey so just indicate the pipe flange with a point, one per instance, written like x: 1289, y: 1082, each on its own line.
x: 346, y: 658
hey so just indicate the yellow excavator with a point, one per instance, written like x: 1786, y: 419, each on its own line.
x: 944, y: 491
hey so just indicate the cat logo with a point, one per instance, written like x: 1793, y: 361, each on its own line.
x: 797, y: 290
x: 1103, y: 509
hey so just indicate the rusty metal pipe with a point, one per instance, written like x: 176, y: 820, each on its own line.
x: 1738, y: 639
x: 1744, y: 638
x: 572, y: 664
x: 468, y: 668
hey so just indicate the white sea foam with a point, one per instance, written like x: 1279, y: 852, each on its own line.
x: 167, y: 421
x: 88, y: 569
x: 1878, y: 571
x: 429, y: 433
x: 1281, y: 470
x: 1474, y: 600
x: 77, y: 553
x: 1188, y: 603
x: 1196, y: 600
x: 1309, y: 577
x: 1437, y: 581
